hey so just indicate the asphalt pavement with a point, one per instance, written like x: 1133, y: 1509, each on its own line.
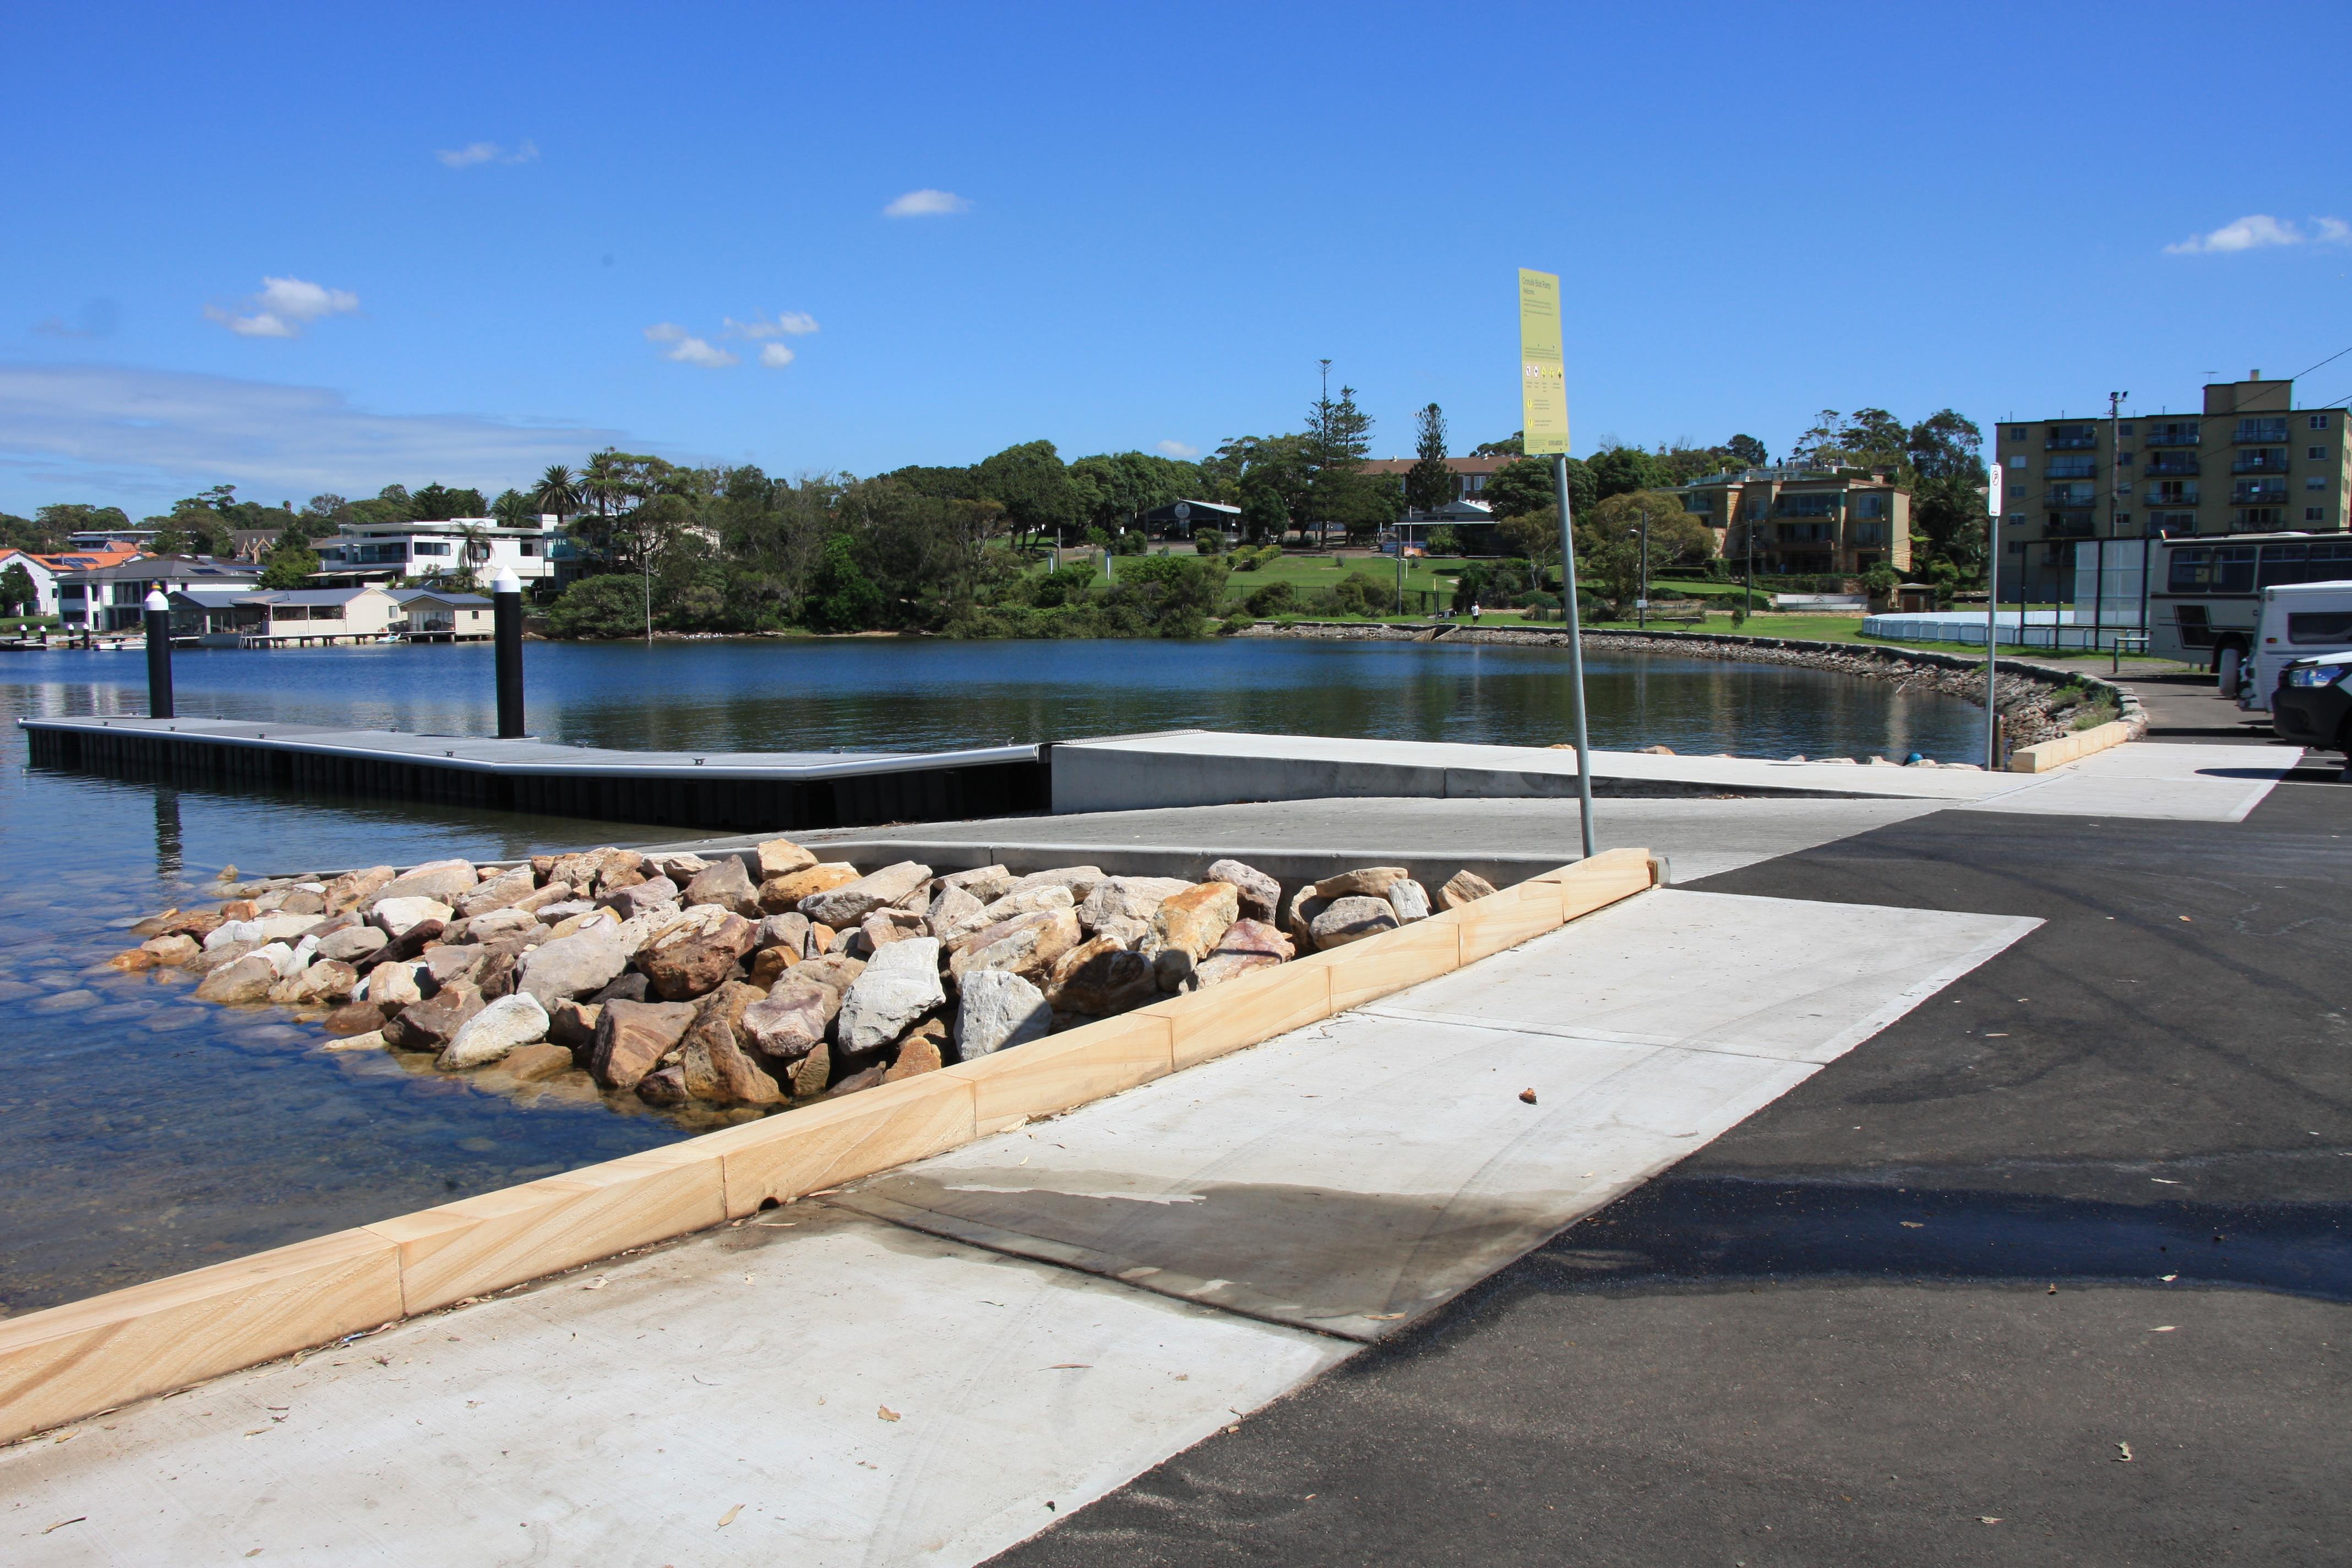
x: 2055, y: 1270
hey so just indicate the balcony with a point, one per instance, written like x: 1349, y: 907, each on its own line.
x: 2073, y: 468
x: 2171, y: 436
x: 2071, y: 443
x: 2259, y: 463
x: 2258, y: 492
x: 2173, y: 494
x: 2162, y: 463
x: 2072, y: 525
x: 2255, y: 430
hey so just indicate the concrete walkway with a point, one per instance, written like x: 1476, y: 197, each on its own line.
x: 1058, y: 1307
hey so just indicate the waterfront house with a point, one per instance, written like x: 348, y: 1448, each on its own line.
x: 386, y: 553
x: 113, y: 598
x: 300, y: 616
x: 441, y: 615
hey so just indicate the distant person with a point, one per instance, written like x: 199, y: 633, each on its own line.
x: 1473, y: 612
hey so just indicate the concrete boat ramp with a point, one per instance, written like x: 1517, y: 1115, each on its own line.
x: 936, y: 1363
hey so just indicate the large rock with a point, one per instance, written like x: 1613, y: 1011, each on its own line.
x: 679, y: 869
x: 642, y: 897
x: 789, y: 931
x: 573, y: 965
x: 171, y: 950
x: 1298, y: 917
x: 986, y: 883
x: 884, y: 927
x: 1408, y: 898
x: 209, y: 959
x: 455, y: 961
x: 714, y: 1066
x: 397, y: 917
x: 726, y: 884
x: 490, y: 1034
x: 1045, y: 896
x: 1368, y: 881
x: 813, y: 1072
x: 501, y: 924
x: 547, y: 897
x: 631, y: 1038
x: 1100, y: 977
x: 1260, y: 895
x: 352, y: 942
x: 528, y: 1064
x: 392, y: 987
x: 832, y: 970
x: 900, y: 984
x: 275, y: 926
x: 355, y: 1018
x: 441, y: 880
x: 666, y: 1088
x: 243, y: 979
x: 950, y: 908
x: 585, y: 869
x: 1247, y: 944
x: 996, y: 1008
x: 778, y: 894
x: 574, y: 1023
x: 1026, y: 945
x: 781, y: 858
x: 502, y: 891
x: 354, y: 889
x: 1463, y: 888
x: 921, y: 1053
x: 1352, y: 918
x: 326, y: 980
x: 792, y: 1020
x: 692, y: 958
x: 1127, y: 898
x: 432, y: 1024
x: 1079, y: 879
x: 852, y: 902
x: 1186, y: 929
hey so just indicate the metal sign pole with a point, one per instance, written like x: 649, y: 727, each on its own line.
x: 1993, y: 617
x: 1543, y: 407
x: 1575, y: 649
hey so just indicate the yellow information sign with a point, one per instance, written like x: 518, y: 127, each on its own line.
x: 1543, y: 378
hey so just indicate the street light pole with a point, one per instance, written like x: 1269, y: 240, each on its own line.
x: 1642, y: 597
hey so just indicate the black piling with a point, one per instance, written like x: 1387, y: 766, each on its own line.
x: 506, y: 624
x: 159, y: 656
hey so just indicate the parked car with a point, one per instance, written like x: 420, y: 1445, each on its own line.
x: 2313, y: 704
x: 2300, y: 621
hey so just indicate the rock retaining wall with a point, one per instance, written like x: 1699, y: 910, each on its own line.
x: 2032, y: 708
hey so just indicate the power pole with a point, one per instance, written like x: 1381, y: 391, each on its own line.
x: 2115, y: 512
x: 1642, y: 597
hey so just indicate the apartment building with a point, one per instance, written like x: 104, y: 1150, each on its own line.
x: 360, y: 552
x: 2248, y: 462
x: 1471, y: 475
x: 1805, y: 521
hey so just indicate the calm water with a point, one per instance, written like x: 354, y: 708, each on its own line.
x: 141, y: 1133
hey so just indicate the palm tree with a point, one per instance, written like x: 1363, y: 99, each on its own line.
x: 515, y: 510
x: 558, y: 492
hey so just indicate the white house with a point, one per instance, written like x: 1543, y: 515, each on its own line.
x: 389, y: 552
x: 438, y: 615
x: 113, y: 598
x: 301, y: 616
x: 44, y: 576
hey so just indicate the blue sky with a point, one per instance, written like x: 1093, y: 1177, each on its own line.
x: 502, y: 237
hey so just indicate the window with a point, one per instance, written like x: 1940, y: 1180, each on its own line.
x: 2018, y: 433
x: 2261, y: 430
x: 2122, y: 459
x: 2124, y: 429
x: 2017, y: 547
x: 2319, y: 627
x: 2123, y: 521
x: 2319, y: 421
x: 2212, y: 569
x: 421, y: 548
x: 2314, y: 453
x: 2310, y: 514
x: 1869, y: 506
x: 2315, y: 483
x: 2016, y: 461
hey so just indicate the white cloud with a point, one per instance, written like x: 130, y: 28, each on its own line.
x: 787, y: 324
x: 927, y: 203
x: 687, y: 349
x: 2257, y: 230
x: 474, y: 152
x: 1179, y: 449
x: 775, y: 356
x: 284, y: 307
x: 143, y: 436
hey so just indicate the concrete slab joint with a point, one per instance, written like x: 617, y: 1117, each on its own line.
x: 67, y: 1362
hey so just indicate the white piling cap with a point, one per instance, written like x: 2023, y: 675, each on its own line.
x: 155, y: 600
x: 505, y: 582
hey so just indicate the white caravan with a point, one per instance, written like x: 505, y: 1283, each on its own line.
x: 2302, y: 621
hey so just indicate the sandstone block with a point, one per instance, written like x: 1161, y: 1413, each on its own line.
x: 352, y: 942
x: 397, y: 917
x: 1099, y: 977
x: 986, y: 883
x: 1408, y: 898
x: 1370, y: 882
x: 641, y: 897
x: 1079, y: 879
x: 497, y: 923
x: 1463, y: 888
x: 714, y: 1067
x: 354, y: 889
x: 372, y: 1040
x: 1045, y: 896
x: 1260, y: 895
x: 789, y: 931
x: 131, y: 961
x: 726, y: 884
x: 852, y: 902
x: 666, y: 1088
x: 1352, y: 918
x: 441, y: 880
x: 172, y: 950
x: 792, y: 1020
x: 769, y: 964
x: 813, y: 1072
x: 693, y: 958
x: 572, y: 966
x: 679, y: 869
x: 631, y: 1038
x: 1127, y: 898
x: 949, y: 907
x: 918, y: 1054
x: 432, y: 1024
x: 502, y: 891
x: 355, y: 1018
x: 1186, y: 928
x: 490, y: 1034
x: 1026, y: 944
x: 325, y: 981
x: 574, y: 1023
x: 781, y: 858
x: 529, y: 1063
x: 392, y: 987
x: 996, y: 1008
x: 242, y: 981
x: 778, y: 894
x: 897, y: 986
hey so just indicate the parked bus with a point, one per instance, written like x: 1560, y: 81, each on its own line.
x: 2206, y: 595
